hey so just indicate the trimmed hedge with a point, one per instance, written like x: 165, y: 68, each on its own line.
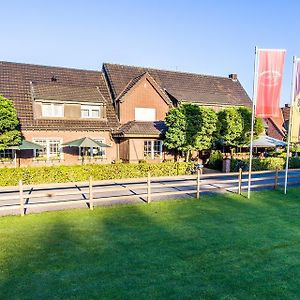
x: 269, y: 163
x: 59, y: 174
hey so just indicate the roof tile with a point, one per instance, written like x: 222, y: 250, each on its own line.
x: 15, y: 84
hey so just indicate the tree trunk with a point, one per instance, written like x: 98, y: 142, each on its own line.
x: 187, y: 156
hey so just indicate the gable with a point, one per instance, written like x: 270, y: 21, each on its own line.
x: 143, y: 96
x: 141, y: 83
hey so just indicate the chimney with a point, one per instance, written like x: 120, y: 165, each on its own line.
x: 233, y: 77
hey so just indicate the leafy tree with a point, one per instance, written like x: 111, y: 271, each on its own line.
x: 230, y: 126
x: 175, y: 137
x: 258, y: 127
x: 190, y: 127
x: 235, y: 126
x: 9, y: 124
x: 207, y: 128
x: 246, y: 133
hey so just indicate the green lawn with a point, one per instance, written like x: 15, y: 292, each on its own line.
x: 220, y: 247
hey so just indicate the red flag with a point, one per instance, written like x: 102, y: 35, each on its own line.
x: 269, y: 79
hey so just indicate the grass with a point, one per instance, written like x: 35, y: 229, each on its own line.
x: 221, y: 247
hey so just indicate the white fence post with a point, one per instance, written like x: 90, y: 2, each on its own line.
x: 198, y: 183
x: 21, y: 197
x: 91, y: 193
x: 276, y: 178
x: 240, y: 181
x: 149, y: 188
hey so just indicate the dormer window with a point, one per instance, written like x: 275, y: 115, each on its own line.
x: 91, y: 111
x: 52, y: 110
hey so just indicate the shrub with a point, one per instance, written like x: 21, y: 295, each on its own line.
x: 258, y: 164
x: 294, y: 162
x: 215, y: 160
x: 39, y: 175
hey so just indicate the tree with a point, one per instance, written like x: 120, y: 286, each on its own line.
x: 258, y: 127
x: 190, y: 127
x: 235, y: 126
x: 10, y: 134
x: 246, y: 133
x: 175, y: 137
x: 230, y: 126
x: 208, y: 126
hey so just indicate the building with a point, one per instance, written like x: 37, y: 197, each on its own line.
x: 122, y: 106
x: 143, y: 96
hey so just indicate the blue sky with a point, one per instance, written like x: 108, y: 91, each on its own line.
x: 209, y: 37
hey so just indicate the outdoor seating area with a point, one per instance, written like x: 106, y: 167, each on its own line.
x: 89, y: 151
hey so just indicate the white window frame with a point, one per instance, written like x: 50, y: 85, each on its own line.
x: 146, y: 114
x: 51, y: 113
x: 90, y: 109
x: 47, y: 151
x: 152, y: 149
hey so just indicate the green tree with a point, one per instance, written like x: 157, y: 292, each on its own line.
x: 230, y: 126
x: 190, y: 127
x: 234, y: 126
x: 175, y: 137
x: 9, y: 124
x: 246, y: 115
x: 207, y: 129
x: 258, y: 127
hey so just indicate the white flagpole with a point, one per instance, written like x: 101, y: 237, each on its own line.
x: 252, y: 120
x: 293, y: 82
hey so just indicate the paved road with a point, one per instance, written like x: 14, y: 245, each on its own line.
x: 128, y: 191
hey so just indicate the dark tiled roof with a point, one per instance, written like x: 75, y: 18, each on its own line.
x: 182, y: 86
x: 52, y: 91
x: 15, y: 84
x: 137, y: 128
x: 130, y: 85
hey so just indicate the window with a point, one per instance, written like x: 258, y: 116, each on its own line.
x: 7, y: 154
x: 157, y: 149
x: 91, y: 111
x: 52, y: 110
x: 153, y: 149
x: 145, y: 114
x: 52, y: 149
x: 147, y: 149
x: 43, y: 152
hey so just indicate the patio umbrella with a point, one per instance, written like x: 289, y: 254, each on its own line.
x: 25, y: 145
x: 85, y: 142
x: 268, y: 142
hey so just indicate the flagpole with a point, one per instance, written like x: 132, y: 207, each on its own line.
x: 252, y: 120
x: 293, y: 82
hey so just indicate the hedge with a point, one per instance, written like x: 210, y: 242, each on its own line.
x: 269, y: 163
x: 59, y: 174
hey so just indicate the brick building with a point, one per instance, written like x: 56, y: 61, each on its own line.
x: 122, y: 106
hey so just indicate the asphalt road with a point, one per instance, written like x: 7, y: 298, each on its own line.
x: 127, y: 191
